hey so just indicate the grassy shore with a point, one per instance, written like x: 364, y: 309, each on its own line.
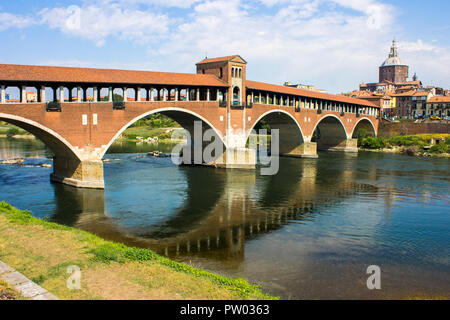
x: 43, y: 251
x: 414, y: 145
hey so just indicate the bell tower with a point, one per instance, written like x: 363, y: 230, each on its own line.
x: 230, y: 69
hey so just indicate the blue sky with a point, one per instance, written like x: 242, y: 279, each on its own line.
x: 332, y: 44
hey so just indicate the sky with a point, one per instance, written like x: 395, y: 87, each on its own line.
x: 332, y: 44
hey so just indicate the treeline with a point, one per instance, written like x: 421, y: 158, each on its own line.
x: 156, y: 120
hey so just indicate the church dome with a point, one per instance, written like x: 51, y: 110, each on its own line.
x: 393, y: 59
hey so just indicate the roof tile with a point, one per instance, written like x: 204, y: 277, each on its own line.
x: 305, y: 93
x: 10, y: 72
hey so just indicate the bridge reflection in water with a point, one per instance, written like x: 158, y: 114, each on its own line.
x: 222, y: 209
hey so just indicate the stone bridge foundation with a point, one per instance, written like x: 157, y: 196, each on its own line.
x: 78, y: 173
x: 348, y: 145
x: 237, y: 158
x: 304, y: 150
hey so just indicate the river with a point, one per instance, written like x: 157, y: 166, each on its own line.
x: 309, y: 232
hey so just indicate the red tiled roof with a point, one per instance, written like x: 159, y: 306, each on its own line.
x: 11, y: 72
x: 227, y: 58
x: 421, y: 94
x: 437, y: 99
x: 404, y: 94
x: 408, y: 83
x: 305, y: 93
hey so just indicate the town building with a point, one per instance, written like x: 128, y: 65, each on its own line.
x: 304, y: 87
x: 438, y: 106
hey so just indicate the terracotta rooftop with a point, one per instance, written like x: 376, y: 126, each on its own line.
x: 305, y: 93
x: 11, y: 72
x: 421, y: 94
x: 227, y: 58
x: 417, y: 82
x: 439, y: 99
x: 405, y: 94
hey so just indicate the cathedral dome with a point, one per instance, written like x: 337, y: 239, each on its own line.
x: 393, y: 59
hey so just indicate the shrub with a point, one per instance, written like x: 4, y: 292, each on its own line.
x: 360, y: 135
x: 374, y: 143
x: 440, y: 148
x: 12, y: 132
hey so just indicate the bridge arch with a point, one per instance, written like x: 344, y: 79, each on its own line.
x: 183, y: 117
x: 290, y: 132
x: 364, y: 124
x: 54, y: 141
x: 329, y: 133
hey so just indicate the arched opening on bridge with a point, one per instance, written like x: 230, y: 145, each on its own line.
x: 31, y: 94
x: 329, y: 134
x: 66, y: 161
x: 171, y: 96
x: 167, y: 123
x: 74, y: 94
x: 182, y: 95
x: 364, y: 128
x: 192, y: 95
x: 118, y: 94
x: 12, y: 94
x: 104, y: 94
x: 291, y: 142
x: 131, y: 94
x: 236, y: 95
x: 57, y: 144
x: 65, y: 94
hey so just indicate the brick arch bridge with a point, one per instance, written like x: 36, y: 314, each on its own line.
x: 72, y: 111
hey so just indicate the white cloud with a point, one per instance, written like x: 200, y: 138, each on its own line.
x: 164, y: 3
x: 8, y: 20
x: 379, y: 15
x: 416, y: 46
x: 97, y: 23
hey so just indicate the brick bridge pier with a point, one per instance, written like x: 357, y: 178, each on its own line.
x: 72, y: 111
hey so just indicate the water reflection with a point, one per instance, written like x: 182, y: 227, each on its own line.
x: 221, y: 210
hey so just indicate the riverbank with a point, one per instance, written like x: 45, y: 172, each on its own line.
x: 43, y: 251
x: 7, y: 292
x: 425, y: 145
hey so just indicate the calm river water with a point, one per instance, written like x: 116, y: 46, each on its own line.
x: 309, y: 232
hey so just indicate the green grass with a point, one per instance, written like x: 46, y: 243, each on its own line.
x: 93, y: 253
x: 413, y: 142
